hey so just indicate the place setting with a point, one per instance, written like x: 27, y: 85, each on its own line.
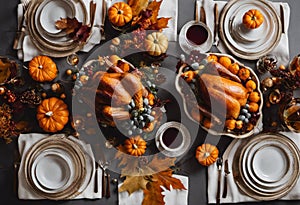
x: 43, y: 36
x: 229, y: 26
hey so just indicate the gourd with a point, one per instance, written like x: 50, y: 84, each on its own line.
x: 156, y: 43
x: 253, y: 18
x: 52, y: 114
x: 135, y: 146
x: 120, y: 14
x: 207, y: 154
x: 42, y: 69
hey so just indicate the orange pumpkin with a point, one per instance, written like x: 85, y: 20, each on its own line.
x: 135, y: 146
x: 252, y: 19
x: 120, y: 14
x: 207, y: 154
x: 52, y: 114
x: 42, y: 69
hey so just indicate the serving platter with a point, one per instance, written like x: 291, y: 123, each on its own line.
x: 68, y: 158
x: 221, y: 130
x: 48, y: 42
x: 245, y: 43
x: 267, y: 143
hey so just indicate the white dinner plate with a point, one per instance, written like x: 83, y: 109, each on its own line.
x: 62, y: 162
x: 270, y: 170
x: 67, y: 154
x: 52, y: 171
x: 244, y: 43
x: 55, y: 10
x: 240, y: 167
x: 251, y: 174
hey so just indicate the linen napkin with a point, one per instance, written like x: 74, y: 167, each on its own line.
x: 173, y: 197
x: 234, y: 195
x: 27, y: 50
x: 25, y: 141
x: 168, y: 8
x: 281, y: 51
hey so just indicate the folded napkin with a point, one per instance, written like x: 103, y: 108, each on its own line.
x: 167, y: 9
x: 281, y: 51
x: 27, y: 50
x: 173, y: 197
x: 234, y: 195
x: 25, y: 141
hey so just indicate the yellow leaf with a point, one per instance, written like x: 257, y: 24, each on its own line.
x: 154, y: 6
x: 133, y: 183
x: 137, y: 6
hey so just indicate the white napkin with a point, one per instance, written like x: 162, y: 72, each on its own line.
x: 173, y: 197
x: 233, y: 193
x: 27, y: 50
x: 281, y: 51
x: 25, y: 141
x: 168, y: 8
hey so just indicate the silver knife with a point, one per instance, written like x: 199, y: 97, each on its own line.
x: 226, y: 170
x: 216, y: 27
x: 282, y: 18
x: 219, y: 166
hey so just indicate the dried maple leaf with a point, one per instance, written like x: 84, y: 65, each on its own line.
x: 161, y: 23
x: 128, y: 162
x: 82, y: 33
x: 133, y: 183
x: 152, y: 195
x: 154, y: 6
x: 159, y: 164
x: 137, y: 6
x: 165, y: 179
x: 69, y: 25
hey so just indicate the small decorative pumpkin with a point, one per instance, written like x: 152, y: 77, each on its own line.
x: 52, y: 114
x: 252, y: 19
x: 135, y: 146
x: 120, y: 14
x: 207, y: 154
x: 156, y: 43
x: 42, y: 69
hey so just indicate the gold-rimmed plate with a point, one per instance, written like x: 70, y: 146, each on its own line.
x: 54, y: 46
x: 251, y: 44
x: 77, y: 161
x: 240, y: 168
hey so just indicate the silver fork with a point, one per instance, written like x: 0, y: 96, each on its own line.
x: 105, y: 179
x: 21, y: 27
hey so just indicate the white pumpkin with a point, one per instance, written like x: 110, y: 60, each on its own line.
x: 156, y: 43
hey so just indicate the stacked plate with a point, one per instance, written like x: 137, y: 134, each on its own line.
x: 57, y: 168
x: 41, y: 17
x: 267, y: 166
x: 249, y: 43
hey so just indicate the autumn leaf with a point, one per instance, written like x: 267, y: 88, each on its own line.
x: 154, y: 6
x: 159, y: 164
x: 74, y: 28
x: 128, y: 163
x: 166, y: 180
x: 161, y: 23
x: 137, y: 6
x: 69, y: 25
x: 133, y: 183
x: 153, y: 194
